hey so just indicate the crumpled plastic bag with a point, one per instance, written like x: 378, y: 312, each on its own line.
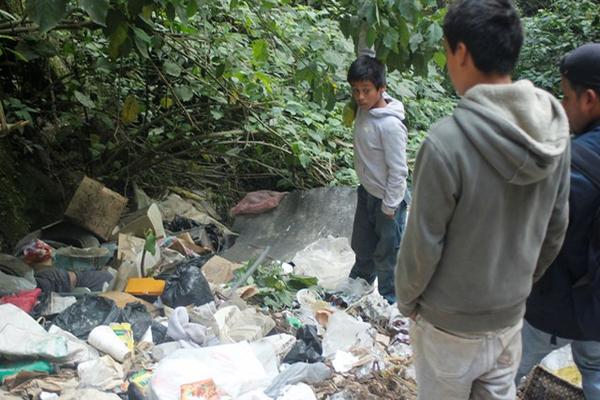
x: 257, y: 202
x: 236, y: 325
x: 86, y: 314
x: 298, y: 372
x: 88, y: 393
x: 79, y: 350
x: 139, y: 318
x: 22, y: 337
x: 307, y: 348
x: 328, y: 259
x: 180, y: 328
x: 159, y: 333
x: 10, y: 284
x: 103, y: 373
x: 187, y: 285
x: 234, y: 368
x: 299, y: 391
x: 345, y: 332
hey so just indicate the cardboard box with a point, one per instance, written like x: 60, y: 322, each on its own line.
x: 122, y: 299
x: 139, y: 222
x: 96, y: 208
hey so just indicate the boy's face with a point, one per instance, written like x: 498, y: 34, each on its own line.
x: 366, y: 94
x: 578, y: 107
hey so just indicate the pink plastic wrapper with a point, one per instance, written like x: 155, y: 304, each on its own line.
x: 258, y: 202
x: 37, y: 252
x: 24, y: 300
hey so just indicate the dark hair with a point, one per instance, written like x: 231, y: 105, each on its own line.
x: 490, y: 29
x: 366, y: 68
x: 579, y: 88
x: 580, y: 68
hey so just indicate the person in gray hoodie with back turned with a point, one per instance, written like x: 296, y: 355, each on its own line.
x: 380, y: 161
x: 489, y: 211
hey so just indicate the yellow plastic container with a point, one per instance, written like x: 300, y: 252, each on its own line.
x: 145, y: 286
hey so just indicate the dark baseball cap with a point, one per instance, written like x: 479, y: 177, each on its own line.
x: 582, y: 66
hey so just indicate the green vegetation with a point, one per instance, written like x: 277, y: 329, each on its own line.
x: 551, y: 33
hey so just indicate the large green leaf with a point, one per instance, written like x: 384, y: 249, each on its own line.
x: 434, y: 34
x: 260, y: 50
x: 117, y: 39
x: 131, y: 110
x: 185, y: 93
x: 404, y: 33
x: 46, y: 13
x: 172, y: 69
x: 390, y: 40
x: 96, y: 9
x: 332, y: 58
x: 84, y: 99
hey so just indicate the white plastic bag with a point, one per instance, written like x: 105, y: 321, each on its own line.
x: 300, y: 391
x: 234, y: 368
x: 21, y: 336
x: 328, y: 259
x: 58, y: 304
x: 236, y: 326
x: 79, y: 351
x: 345, y: 333
x: 296, y: 373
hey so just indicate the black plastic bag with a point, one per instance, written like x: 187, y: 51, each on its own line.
x: 202, y: 233
x: 159, y: 333
x: 134, y: 393
x: 89, y: 312
x: 187, y: 285
x: 308, y: 347
x: 139, y: 318
x: 180, y: 224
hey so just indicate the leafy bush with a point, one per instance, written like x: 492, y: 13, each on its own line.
x: 551, y: 33
x: 230, y: 95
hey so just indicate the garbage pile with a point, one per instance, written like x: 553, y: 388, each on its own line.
x: 142, y: 306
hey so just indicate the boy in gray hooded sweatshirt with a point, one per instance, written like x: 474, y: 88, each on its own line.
x: 489, y: 211
x: 380, y: 162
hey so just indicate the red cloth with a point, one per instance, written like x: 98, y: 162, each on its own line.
x: 25, y: 300
x: 258, y: 202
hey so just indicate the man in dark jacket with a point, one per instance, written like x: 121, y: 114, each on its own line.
x: 564, y: 306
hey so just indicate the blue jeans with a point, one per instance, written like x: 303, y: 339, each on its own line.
x: 586, y: 354
x: 375, y: 241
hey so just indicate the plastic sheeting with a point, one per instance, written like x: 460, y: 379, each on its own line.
x: 328, y: 259
x: 234, y: 368
x: 86, y: 314
x: 22, y: 337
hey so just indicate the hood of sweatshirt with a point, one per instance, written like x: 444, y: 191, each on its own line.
x: 521, y: 131
x: 394, y: 108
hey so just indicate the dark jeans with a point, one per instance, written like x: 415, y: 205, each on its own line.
x: 375, y: 241
x: 57, y: 280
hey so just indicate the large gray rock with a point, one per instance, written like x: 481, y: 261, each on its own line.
x: 301, y: 218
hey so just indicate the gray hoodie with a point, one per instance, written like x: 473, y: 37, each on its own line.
x: 380, y: 152
x: 489, y: 209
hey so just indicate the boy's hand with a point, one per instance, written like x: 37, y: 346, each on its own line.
x: 390, y: 216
